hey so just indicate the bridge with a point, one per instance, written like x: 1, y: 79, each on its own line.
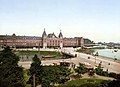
x: 68, y: 55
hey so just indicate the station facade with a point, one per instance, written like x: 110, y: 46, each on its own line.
x: 46, y: 41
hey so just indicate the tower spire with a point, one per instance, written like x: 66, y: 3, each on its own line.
x: 44, y: 35
x: 60, y: 35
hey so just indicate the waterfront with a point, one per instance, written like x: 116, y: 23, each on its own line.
x: 110, y: 53
x: 81, y: 58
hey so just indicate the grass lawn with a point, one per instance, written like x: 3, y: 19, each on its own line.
x: 83, y: 83
x: 86, y: 50
x: 54, y: 54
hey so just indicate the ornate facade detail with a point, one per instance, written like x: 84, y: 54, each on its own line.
x: 50, y: 40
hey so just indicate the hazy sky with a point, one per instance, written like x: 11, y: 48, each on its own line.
x: 98, y: 20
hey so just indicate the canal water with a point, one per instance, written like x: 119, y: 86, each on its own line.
x: 110, y: 53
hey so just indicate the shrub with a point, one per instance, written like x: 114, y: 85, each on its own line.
x: 112, y: 74
x: 104, y: 73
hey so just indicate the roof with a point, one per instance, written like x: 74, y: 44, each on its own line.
x: 44, y: 33
x: 51, y: 35
x: 19, y: 37
x: 60, y: 35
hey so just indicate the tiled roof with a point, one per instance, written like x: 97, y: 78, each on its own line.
x: 51, y: 35
x: 19, y: 37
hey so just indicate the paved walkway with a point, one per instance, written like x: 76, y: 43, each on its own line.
x: 81, y: 58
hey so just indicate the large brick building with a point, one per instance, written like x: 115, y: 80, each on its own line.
x: 47, y: 40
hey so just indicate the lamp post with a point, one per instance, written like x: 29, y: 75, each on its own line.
x: 95, y: 57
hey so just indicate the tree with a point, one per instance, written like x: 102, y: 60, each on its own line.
x: 47, y: 75
x: 86, y: 50
x: 91, y: 72
x: 54, y: 74
x: 114, y: 83
x: 118, y: 77
x: 35, y: 71
x: 63, y: 74
x: 11, y: 75
x: 81, y: 69
x: 88, y: 41
x: 99, y: 70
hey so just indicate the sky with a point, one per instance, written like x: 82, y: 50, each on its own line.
x: 98, y: 20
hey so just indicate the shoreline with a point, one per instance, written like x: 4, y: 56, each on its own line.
x: 108, y: 58
x: 113, y: 67
x: 106, y: 63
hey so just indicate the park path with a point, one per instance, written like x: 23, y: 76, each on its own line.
x: 109, y: 64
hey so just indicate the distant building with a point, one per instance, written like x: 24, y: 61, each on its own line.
x: 46, y: 41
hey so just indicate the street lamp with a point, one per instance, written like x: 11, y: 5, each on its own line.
x: 96, y: 54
